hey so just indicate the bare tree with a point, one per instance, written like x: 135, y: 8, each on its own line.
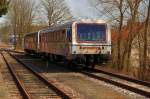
x: 145, y: 66
x: 136, y: 14
x: 21, y: 16
x: 115, y: 11
x: 56, y: 11
x: 122, y: 11
x: 132, y: 28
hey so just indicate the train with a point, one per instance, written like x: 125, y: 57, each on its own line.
x: 80, y: 42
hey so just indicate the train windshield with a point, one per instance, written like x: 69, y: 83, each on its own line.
x: 91, y: 32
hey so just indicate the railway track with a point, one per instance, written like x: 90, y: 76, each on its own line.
x: 144, y: 83
x: 75, y: 82
x: 11, y: 90
x: 143, y: 90
x: 31, y: 84
x: 131, y: 84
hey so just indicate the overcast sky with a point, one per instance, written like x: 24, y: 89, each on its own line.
x: 82, y: 9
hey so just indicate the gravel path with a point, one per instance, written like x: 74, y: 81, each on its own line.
x: 86, y: 87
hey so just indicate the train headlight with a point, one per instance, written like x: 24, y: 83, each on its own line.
x: 74, y: 52
x: 108, y: 52
x: 102, y: 47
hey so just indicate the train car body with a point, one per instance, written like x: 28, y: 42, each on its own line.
x: 55, y: 41
x: 79, y: 41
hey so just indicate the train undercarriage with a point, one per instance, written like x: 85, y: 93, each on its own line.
x: 87, y: 60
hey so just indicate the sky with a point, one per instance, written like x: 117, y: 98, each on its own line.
x: 79, y: 9
x: 82, y: 9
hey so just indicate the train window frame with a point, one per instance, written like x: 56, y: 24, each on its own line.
x: 56, y: 36
x: 100, y: 41
x: 49, y: 36
x: 59, y: 33
x: 53, y: 36
x: 62, y: 36
x: 46, y: 37
x: 69, y: 33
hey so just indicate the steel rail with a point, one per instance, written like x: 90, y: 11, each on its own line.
x: 144, y: 83
x: 121, y: 85
x: 130, y: 88
x: 44, y: 79
x: 22, y: 90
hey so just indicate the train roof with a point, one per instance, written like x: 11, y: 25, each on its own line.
x: 65, y: 25
x: 57, y: 27
x: 69, y: 24
x: 30, y: 33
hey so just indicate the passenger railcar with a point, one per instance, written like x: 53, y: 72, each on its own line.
x: 30, y: 42
x: 79, y: 41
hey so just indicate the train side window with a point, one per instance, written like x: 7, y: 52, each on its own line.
x: 59, y: 34
x: 47, y: 37
x: 52, y: 36
x: 63, y: 36
x: 44, y: 37
x: 55, y: 36
x: 69, y: 35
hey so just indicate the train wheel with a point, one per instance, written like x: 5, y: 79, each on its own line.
x: 87, y: 61
x: 66, y: 63
x: 70, y: 64
x: 93, y: 65
x: 90, y: 63
x: 54, y: 57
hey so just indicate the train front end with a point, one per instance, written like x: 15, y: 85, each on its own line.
x: 91, y: 39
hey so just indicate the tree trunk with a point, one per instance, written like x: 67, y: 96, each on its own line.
x: 145, y: 60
